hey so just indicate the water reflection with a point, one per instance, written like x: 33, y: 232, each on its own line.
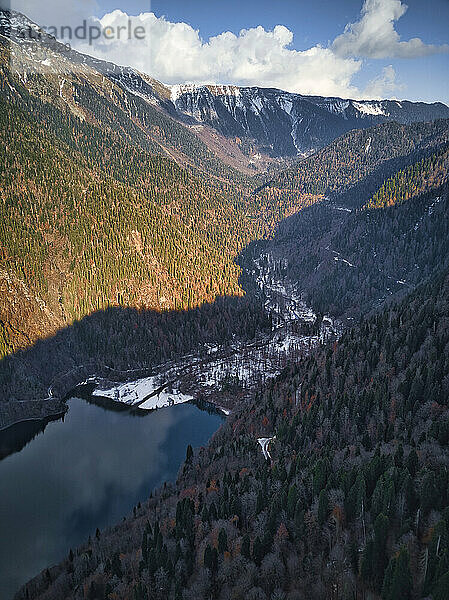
x: 15, y: 438
x: 84, y: 473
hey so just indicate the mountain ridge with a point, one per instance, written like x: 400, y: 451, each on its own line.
x: 292, y: 124
x: 256, y: 120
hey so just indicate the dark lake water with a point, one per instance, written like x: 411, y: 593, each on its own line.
x: 85, y: 472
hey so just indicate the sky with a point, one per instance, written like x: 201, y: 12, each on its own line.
x: 347, y: 48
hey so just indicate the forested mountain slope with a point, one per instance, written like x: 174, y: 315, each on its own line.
x: 355, y: 249
x: 89, y: 220
x: 111, y: 200
x: 353, y: 499
x: 427, y: 174
x: 107, y: 200
x: 361, y: 154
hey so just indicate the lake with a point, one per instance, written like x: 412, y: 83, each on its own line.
x: 85, y: 471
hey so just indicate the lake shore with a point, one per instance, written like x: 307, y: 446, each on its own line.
x: 12, y: 413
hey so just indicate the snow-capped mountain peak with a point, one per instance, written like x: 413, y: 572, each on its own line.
x: 284, y: 123
x: 274, y: 122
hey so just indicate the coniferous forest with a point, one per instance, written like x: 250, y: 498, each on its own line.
x: 128, y: 241
x: 354, y: 498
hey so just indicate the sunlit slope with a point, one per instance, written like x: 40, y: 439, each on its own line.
x: 88, y: 221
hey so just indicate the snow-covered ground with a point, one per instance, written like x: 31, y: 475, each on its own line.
x: 339, y: 259
x: 218, y: 373
x: 369, y: 108
x: 146, y: 393
x: 285, y: 304
x: 283, y: 301
x: 265, y: 445
x: 429, y: 212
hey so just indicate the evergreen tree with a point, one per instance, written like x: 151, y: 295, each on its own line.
x: 323, y: 507
x: 222, y: 541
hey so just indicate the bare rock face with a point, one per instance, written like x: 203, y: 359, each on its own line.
x: 285, y: 124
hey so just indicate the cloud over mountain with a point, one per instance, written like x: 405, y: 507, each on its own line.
x: 175, y: 52
x: 374, y: 35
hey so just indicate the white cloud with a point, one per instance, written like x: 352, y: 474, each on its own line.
x: 374, y: 35
x: 175, y: 52
x: 382, y: 86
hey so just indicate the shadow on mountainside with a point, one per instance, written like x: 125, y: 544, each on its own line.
x: 343, y: 263
x: 108, y: 343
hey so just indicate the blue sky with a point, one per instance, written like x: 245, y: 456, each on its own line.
x: 353, y: 65
x: 312, y: 22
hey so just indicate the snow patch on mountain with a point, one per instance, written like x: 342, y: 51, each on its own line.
x: 336, y: 106
x: 343, y: 260
x: 368, y: 146
x: 176, y: 91
x: 180, y: 89
x: 286, y: 104
x: 369, y: 108
x: 429, y: 212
